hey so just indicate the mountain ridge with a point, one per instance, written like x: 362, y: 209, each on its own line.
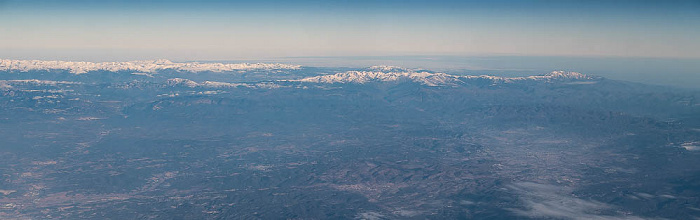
x: 275, y: 72
x: 147, y: 66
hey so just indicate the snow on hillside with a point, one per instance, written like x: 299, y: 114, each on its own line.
x: 148, y: 66
x: 214, y: 84
x: 370, y: 74
x: 432, y: 79
x: 555, y: 75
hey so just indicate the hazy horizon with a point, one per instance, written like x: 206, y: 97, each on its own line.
x: 228, y: 30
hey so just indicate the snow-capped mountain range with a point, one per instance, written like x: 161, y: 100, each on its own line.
x: 151, y: 68
x: 386, y: 74
x: 146, y: 66
x: 430, y: 79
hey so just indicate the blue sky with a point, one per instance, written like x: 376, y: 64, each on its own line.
x: 225, y: 30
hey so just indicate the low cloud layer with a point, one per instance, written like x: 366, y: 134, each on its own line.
x: 549, y: 201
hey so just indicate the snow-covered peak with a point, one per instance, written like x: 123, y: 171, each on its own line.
x: 181, y: 82
x: 162, y: 61
x: 565, y: 75
x: 555, y: 75
x: 214, y: 84
x: 9, y: 84
x: 432, y: 79
x: 144, y: 66
x: 39, y: 82
x: 426, y: 78
x: 388, y: 69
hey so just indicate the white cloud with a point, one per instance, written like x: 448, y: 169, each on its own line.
x: 548, y: 201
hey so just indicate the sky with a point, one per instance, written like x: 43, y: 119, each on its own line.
x: 227, y: 30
